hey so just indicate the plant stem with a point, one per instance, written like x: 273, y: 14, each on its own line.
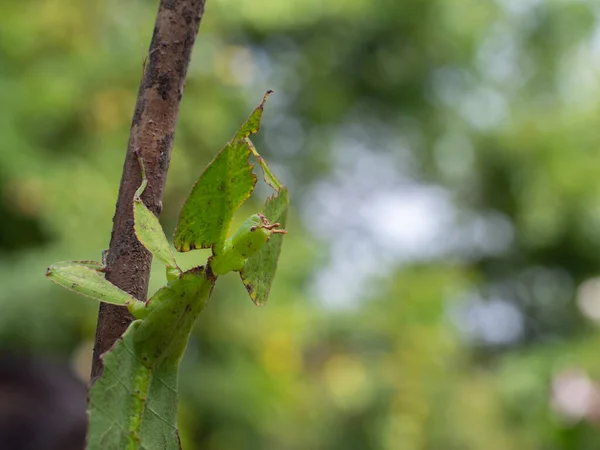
x: 152, y: 131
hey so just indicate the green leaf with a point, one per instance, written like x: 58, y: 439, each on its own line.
x: 151, y: 235
x: 133, y: 404
x: 259, y: 270
x: 225, y: 184
x: 84, y: 277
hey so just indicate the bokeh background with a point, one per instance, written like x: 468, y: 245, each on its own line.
x: 439, y: 287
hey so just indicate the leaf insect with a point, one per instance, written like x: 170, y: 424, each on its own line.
x: 133, y: 404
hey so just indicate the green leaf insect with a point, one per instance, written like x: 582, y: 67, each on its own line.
x: 133, y: 404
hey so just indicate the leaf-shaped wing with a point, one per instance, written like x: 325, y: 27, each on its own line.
x: 206, y: 215
x: 259, y: 270
x: 133, y: 404
x: 225, y: 184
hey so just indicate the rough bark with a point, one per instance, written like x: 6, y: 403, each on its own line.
x: 152, y: 131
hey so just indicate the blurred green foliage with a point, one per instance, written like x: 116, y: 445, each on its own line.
x: 458, y: 345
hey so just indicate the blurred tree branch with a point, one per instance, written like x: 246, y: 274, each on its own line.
x: 152, y: 131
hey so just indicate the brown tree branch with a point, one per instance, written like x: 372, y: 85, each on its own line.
x: 152, y: 131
